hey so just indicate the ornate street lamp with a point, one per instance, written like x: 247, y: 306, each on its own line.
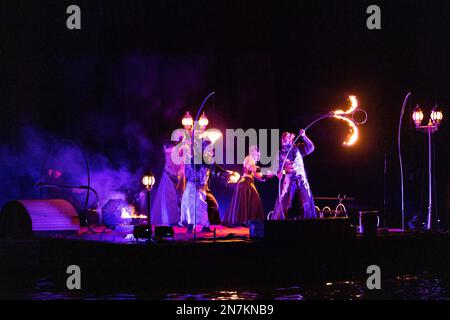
x: 148, y: 180
x: 432, y: 126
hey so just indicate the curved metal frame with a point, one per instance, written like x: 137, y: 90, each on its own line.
x: 402, y: 112
x: 42, y: 184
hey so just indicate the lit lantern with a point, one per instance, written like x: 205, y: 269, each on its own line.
x: 187, y: 121
x: 417, y: 116
x: 148, y: 180
x: 203, y: 121
x: 436, y: 116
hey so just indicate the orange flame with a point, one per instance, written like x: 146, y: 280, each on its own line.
x: 353, y: 106
x: 353, y: 135
x: 234, y: 177
x: 130, y: 213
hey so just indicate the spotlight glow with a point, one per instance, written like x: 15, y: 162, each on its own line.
x: 212, y: 135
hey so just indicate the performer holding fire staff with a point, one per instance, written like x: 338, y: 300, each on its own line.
x: 295, y: 181
x: 246, y: 203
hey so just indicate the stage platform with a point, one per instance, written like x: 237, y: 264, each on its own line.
x: 219, y: 234
x: 109, y: 260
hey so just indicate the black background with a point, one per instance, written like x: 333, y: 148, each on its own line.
x: 272, y: 64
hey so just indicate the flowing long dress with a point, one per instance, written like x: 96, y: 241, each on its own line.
x: 246, y: 203
x: 194, y: 196
x: 213, y: 208
x: 295, y: 182
x: 167, y: 201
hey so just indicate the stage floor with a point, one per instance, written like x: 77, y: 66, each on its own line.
x: 123, y: 235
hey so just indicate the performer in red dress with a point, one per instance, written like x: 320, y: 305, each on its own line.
x: 246, y: 203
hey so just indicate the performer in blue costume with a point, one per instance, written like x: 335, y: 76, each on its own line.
x: 295, y: 181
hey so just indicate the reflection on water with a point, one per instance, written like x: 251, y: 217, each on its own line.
x: 410, y: 287
x: 214, y: 295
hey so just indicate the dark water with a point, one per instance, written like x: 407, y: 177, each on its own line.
x: 405, y: 287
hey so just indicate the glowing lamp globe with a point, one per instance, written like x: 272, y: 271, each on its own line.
x: 148, y: 180
x: 187, y: 120
x: 436, y: 116
x: 417, y: 116
x: 203, y: 121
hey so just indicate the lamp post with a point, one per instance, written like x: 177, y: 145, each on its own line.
x: 148, y: 180
x: 197, y: 117
x: 432, y: 126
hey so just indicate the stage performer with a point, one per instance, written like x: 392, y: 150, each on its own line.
x: 246, y: 203
x: 166, y: 209
x: 295, y: 181
x: 198, y: 194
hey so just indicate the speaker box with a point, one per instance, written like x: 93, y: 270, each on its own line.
x: 164, y: 232
x: 23, y: 219
x: 142, y: 232
x: 308, y: 229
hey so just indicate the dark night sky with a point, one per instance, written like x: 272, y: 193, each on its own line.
x: 121, y: 84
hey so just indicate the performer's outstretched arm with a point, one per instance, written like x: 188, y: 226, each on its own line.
x: 307, y: 146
